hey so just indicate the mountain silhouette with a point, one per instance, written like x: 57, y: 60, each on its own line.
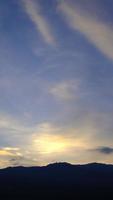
x: 57, y: 181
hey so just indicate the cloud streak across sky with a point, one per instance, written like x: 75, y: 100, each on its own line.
x: 97, y: 32
x: 33, y: 10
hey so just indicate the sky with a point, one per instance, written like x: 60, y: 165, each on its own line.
x: 56, y: 78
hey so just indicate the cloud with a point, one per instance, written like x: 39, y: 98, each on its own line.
x: 9, y: 151
x: 10, y: 123
x: 5, y: 153
x: 105, y: 150
x: 33, y: 10
x: 48, y: 142
x: 98, y: 33
x: 23, y: 161
x: 65, y: 90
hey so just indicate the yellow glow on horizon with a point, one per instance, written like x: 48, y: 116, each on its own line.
x: 48, y: 144
x: 5, y: 153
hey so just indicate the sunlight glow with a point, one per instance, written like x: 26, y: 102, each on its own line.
x: 48, y: 144
x: 5, y: 153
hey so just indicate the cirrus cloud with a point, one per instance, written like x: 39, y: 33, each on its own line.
x: 99, y: 33
x: 33, y: 10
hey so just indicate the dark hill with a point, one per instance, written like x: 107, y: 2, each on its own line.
x: 57, y: 181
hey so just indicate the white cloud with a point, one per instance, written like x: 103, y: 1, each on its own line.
x: 98, y: 33
x: 33, y: 10
x: 10, y: 151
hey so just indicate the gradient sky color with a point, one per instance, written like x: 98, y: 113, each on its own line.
x: 56, y: 78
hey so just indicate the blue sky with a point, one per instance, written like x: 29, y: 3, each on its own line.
x: 56, y: 77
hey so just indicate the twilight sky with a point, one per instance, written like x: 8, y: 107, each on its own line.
x: 56, y: 81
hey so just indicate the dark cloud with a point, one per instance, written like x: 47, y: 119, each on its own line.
x: 17, y: 160
x: 105, y: 150
x: 21, y: 161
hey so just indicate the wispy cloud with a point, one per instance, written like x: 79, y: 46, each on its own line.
x: 98, y: 33
x: 33, y: 10
x: 9, y: 151
x: 9, y: 123
x: 65, y: 90
x: 5, y: 153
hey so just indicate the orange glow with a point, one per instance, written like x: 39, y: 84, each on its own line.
x: 5, y: 153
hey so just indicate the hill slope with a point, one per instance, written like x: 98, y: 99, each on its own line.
x: 59, y: 180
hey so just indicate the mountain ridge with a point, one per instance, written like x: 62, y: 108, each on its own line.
x: 58, y: 164
x: 58, y: 181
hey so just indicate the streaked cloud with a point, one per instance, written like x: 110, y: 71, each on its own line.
x: 33, y: 10
x: 9, y: 151
x: 10, y: 123
x: 5, y: 153
x: 100, y: 34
